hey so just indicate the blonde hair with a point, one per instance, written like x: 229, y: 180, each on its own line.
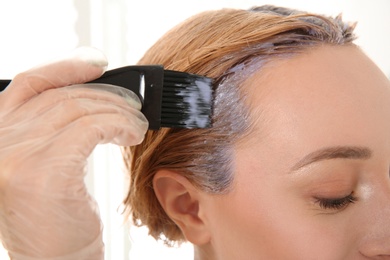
x: 224, y: 45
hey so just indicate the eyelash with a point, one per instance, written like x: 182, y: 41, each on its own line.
x: 336, y: 203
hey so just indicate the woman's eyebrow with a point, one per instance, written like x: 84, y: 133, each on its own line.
x: 343, y: 152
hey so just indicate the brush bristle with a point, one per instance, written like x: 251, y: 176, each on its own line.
x: 186, y: 100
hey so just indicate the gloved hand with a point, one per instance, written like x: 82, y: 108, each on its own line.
x: 47, y: 132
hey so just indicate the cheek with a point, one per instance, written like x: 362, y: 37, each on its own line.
x: 260, y: 217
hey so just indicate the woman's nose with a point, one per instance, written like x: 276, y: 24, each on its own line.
x: 376, y: 242
x: 377, y: 248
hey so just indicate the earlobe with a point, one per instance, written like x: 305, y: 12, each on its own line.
x: 182, y: 202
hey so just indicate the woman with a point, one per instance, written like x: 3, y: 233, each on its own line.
x: 295, y: 166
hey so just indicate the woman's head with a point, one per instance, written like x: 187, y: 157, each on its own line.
x: 271, y: 68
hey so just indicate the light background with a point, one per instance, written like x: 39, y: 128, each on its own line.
x: 37, y: 31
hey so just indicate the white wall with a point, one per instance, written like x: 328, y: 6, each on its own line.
x: 148, y: 20
x: 35, y: 31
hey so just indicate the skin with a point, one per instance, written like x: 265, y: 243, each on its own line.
x: 329, y: 97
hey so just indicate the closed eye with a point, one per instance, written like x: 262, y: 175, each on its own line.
x: 336, y: 203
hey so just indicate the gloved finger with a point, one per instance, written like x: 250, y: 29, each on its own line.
x: 71, y: 97
x: 97, y: 91
x: 84, y: 65
x: 130, y: 97
x: 66, y: 151
x: 71, y: 110
x: 85, y: 133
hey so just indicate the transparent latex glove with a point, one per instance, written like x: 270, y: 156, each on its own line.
x: 47, y: 131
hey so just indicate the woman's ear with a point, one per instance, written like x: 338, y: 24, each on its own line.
x: 183, y: 204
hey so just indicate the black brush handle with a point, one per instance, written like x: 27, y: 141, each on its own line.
x: 130, y: 77
x: 4, y: 83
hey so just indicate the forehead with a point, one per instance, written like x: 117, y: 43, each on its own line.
x: 321, y: 96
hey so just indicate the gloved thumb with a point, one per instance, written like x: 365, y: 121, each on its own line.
x: 82, y: 65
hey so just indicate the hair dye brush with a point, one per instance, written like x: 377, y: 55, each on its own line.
x: 169, y: 98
